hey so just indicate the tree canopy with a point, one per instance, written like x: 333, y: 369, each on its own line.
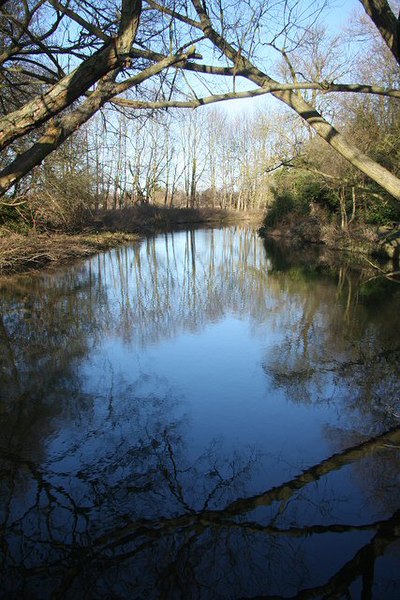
x: 61, y: 61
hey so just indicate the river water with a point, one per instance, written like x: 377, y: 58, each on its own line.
x: 201, y: 415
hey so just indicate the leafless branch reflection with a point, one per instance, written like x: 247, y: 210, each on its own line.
x: 104, y: 491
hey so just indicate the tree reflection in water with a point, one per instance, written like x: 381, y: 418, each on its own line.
x: 102, y: 496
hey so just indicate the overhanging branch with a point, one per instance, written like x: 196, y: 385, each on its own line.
x: 262, y: 91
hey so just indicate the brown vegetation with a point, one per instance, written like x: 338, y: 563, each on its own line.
x: 151, y: 219
x: 37, y: 250
x: 33, y: 250
x: 318, y: 228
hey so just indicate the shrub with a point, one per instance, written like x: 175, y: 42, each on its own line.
x: 379, y: 212
x: 15, y: 218
x: 281, y: 207
x: 62, y: 202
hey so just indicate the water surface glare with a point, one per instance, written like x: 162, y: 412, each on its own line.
x: 201, y: 415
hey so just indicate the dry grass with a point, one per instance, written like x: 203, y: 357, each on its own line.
x: 34, y: 251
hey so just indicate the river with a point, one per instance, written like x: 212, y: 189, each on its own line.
x: 200, y: 415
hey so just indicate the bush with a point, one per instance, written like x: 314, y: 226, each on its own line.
x: 281, y: 207
x: 15, y: 218
x: 379, y: 212
x: 63, y: 202
x: 301, y: 194
x: 310, y: 190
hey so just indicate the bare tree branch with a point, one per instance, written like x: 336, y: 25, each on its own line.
x: 57, y: 132
x: 310, y: 115
x: 96, y: 31
x: 268, y: 89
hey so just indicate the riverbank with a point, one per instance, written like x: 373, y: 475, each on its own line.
x: 150, y: 219
x: 362, y: 240
x: 32, y: 250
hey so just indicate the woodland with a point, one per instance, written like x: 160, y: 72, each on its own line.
x: 109, y: 104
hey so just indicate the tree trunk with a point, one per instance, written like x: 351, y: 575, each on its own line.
x: 388, y: 26
x: 193, y: 183
x: 45, y: 106
x: 57, y: 132
x: 349, y: 151
x: 54, y: 136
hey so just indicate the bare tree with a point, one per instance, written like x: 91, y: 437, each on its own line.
x: 103, y: 67
x: 146, y: 60
x: 192, y: 141
x: 295, y: 101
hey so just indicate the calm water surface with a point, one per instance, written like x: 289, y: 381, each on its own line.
x: 200, y: 416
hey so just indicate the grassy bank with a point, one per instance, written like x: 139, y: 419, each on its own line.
x: 34, y: 250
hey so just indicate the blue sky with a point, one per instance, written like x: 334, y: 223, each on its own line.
x: 340, y: 13
x: 335, y: 17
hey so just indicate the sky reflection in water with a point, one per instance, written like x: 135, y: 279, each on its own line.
x: 159, y: 404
